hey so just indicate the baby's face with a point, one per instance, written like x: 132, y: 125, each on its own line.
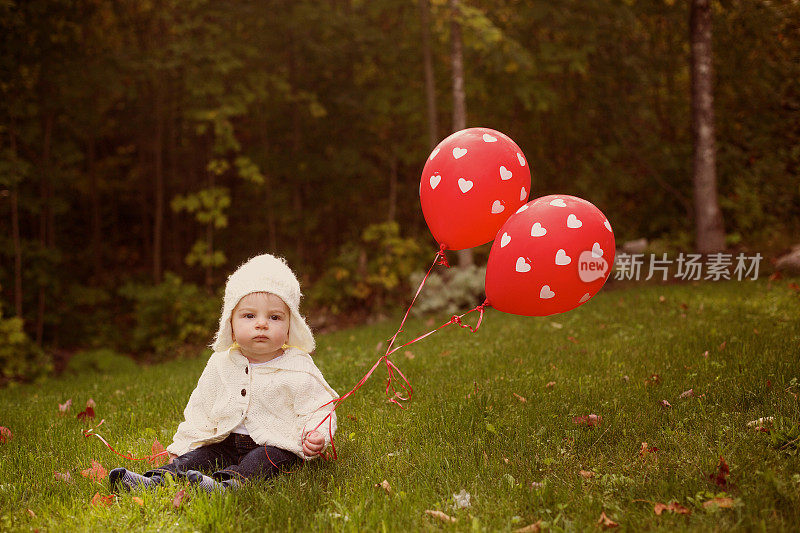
x: 260, y: 324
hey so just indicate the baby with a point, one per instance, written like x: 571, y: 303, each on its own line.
x: 256, y: 405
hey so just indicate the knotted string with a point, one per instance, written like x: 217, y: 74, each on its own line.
x: 440, y: 259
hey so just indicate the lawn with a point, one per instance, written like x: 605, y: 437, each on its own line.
x: 503, y: 415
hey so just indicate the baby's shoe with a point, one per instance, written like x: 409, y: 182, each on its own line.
x: 209, y: 484
x: 131, y: 480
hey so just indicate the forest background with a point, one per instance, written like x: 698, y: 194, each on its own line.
x: 149, y: 147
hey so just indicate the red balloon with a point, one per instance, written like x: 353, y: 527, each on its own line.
x: 552, y: 255
x: 472, y: 181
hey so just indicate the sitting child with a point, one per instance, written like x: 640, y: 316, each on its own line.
x: 256, y: 405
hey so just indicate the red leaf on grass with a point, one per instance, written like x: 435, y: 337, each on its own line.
x: 96, y: 472
x: 720, y: 477
x: 725, y: 503
x: 665, y: 404
x: 654, y: 379
x: 155, y: 458
x: 138, y: 500
x: 90, y: 403
x: 64, y: 407
x: 88, y: 413
x: 5, y: 434
x: 178, y: 499
x: 646, y: 450
x: 589, y: 420
x: 103, y: 501
x: 686, y: 394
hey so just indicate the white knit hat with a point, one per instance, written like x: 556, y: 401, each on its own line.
x: 264, y: 273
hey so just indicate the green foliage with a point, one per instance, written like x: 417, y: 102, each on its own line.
x: 20, y: 358
x: 170, y: 315
x: 103, y: 361
x: 453, y: 291
x: 368, y: 274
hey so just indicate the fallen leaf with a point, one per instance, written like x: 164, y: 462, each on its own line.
x: 665, y: 404
x: 726, y: 503
x: 556, y: 325
x: 572, y: 339
x: 156, y: 458
x: 550, y: 385
x: 794, y: 286
x: 103, y: 501
x: 537, y: 484
x: 776, y: 276
x: 520, y: 398
x: 88, y: 413
x: 5, y: 434
x: 646, y: 450
x: 64, y: 407
x: 654, y: 379
x: 722, y: 346
x: 33, y: 515
x: 353, y: 418
x: 662, y: 299
x: 90, y: 403
x: 65, y: 477
x: 536, y: 527
x: 684, y: 306
x: 686, y: 394
x: 138, y: 500
x: 379, y: 346
x: 590, y: 420
x: 673, y: 507
x: 720, y: 477
x: 587, y: 474
x: 409, y: 354
x: 96, y: 472
x: 385, y: 486
x: 180, y: 496
x: 705, y: 354
x: 445, y: 353
x: 441, y: 516
x: 605, y: 522
x: 764, y: 421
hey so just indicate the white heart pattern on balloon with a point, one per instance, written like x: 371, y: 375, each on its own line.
x: 573, y: 222
x: 522, y: 265
x: 498, y: 207
x: 435, y: 180
x: 464, y: 185
x: 489, y: 138
x: 505, y: 174
x: 458, y: 153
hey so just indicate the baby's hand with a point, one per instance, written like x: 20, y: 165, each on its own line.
x: 313, y: 444
x: 171, y: 457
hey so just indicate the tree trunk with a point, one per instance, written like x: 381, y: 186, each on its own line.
x: 45, y: 235
x: 158, y: 155
x: 94, y: 198
x: 465, y: 257
x: 708, y: 217
x: 392, y: 215
x: 430, y: 86
x: 16, y: 237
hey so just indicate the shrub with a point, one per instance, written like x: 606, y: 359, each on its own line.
x: 368, y: 274
x: 453, y: 291
x: 171, y: 315
x: 20, y: 358
x: 104, y: 361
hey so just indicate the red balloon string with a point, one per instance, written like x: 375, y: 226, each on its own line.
x: 91, y: 433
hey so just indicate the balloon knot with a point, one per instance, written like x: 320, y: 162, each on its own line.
x: 441, y: 258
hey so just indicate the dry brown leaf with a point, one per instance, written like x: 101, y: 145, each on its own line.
x: 91, y: 403
x: 673, y: 507
x: 138, y: 500
x: 103, y: 501
x: 550, y: 385
x: 95, y: 472
x: 605, y: 522
x: 445, y: 353
x: 180, y: 496
x: 665, y: 404
x: 720, y: 477
x: 536, y: 527
x: 722, y: 346
x: 520, y: 398
x: 725, y: 503
x: 662, y: 299
x: 686, y: 394
x: 590, y: 420
x: 646, y: 450
x: 5, y: 434
x: 441, y: 516
x: 157, y: 456
x: 409, y: 354
x: 587, y: 474
x: 354, y: 418
x: 64, y: 407
x: 705, y: 354
x: 385, y: 486
x: 33, y: 515
x: 654, y: 379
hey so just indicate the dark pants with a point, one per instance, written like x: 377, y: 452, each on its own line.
x: 238, y: 457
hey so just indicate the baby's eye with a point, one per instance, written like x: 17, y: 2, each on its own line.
x: 276, y: 317
x: 249, y: 315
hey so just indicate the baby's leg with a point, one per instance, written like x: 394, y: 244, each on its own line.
x: 210, y: 457
x: 262, y: 462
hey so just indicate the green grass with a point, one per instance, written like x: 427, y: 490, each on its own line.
x: 465, y: 429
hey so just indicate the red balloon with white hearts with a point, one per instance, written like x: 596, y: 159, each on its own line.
x: 472, y: 181
x: 552, y: 255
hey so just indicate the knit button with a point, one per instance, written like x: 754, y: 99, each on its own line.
x: 244, y: 392
x: 246, y: 370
